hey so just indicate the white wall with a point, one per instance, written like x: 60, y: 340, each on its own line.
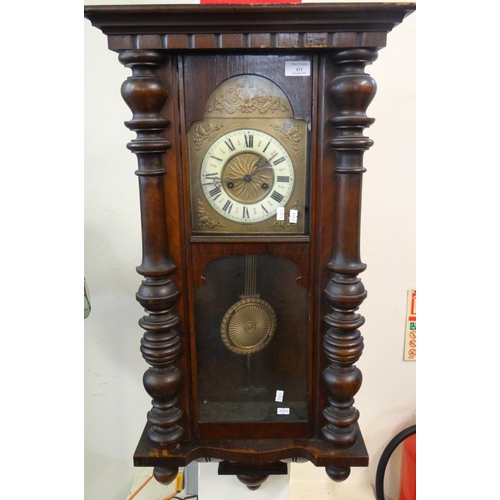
x: 115, y: 401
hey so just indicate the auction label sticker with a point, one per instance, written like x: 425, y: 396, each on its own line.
x: 297, y: 68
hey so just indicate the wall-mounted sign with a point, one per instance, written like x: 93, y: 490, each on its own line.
x: 411, y: 327
x: 249, y: 1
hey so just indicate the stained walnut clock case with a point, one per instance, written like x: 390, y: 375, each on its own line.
x: 250, y: 143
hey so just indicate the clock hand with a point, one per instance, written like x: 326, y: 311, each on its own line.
x: 261, y: 164
x: 247, y: 178
x: 216, y: 181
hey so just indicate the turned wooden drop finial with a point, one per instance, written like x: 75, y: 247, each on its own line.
x: 165, y: 475
x: 338, y: 474
x: 252, y: 481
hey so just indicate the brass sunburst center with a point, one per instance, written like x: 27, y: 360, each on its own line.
x: 247, y: 178
x: 248, y: 326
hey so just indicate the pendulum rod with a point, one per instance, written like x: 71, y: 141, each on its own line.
x: 251, y: 276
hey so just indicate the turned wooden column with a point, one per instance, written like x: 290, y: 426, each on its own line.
x: 145, y: 93
x: 351, y: 90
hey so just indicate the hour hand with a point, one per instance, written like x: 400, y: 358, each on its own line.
x: 215, y: 181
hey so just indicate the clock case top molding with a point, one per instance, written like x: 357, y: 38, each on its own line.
x: 178, y: 55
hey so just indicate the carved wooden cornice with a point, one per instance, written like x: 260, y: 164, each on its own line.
x: 290, y: 26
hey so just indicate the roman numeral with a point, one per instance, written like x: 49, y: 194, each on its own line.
x: 213, y: 176
x: 264, y: 150
x: 227, y: 207
x: 264, y: 208
x: 280, y: 160
x: 277, y: 196
x: 246, y: 214
x: 230, y: 145
x: 215, y: 191
x: 215, y: 158
x: 283, y: 178
x: 249, y: 141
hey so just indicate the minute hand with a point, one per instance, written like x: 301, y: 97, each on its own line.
x: 262, y: 164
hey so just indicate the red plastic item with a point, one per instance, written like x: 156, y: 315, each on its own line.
x: 408, y: 477
x: 249, y: 1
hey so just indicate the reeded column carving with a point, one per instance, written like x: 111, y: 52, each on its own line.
x: 351, y: 91
x: 145, y: 93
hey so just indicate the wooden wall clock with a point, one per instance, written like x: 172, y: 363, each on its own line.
x: 249, y: 123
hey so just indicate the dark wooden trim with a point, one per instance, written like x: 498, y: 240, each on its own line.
x: 221, y: 27
x: 317, y: 451
x: 275, y: 18
x: 252, y: 476
x: 261, y: 430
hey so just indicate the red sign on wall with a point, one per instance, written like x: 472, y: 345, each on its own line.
x: 411, y: 327
x: 249, y: 1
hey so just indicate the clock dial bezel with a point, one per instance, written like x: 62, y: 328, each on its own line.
x: 208, y: 216
x: 246, y: 175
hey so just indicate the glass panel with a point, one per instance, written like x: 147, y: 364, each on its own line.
x: 252, y: 340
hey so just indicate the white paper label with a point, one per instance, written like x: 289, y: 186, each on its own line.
x: 293, y: 216
x: 280, y: 213
x: 279, y: 396
x: 297, y: 68
x: 283, y: 411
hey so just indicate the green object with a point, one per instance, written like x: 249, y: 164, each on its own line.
x: 86, y: 300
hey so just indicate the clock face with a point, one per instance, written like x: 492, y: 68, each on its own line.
x: 248, y: 163
x: 246, y: 175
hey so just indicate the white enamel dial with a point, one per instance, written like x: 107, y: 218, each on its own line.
x: 246, y: 175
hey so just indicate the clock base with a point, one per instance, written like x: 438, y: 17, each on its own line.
x: 246, y: 456
x: 252, y: 476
